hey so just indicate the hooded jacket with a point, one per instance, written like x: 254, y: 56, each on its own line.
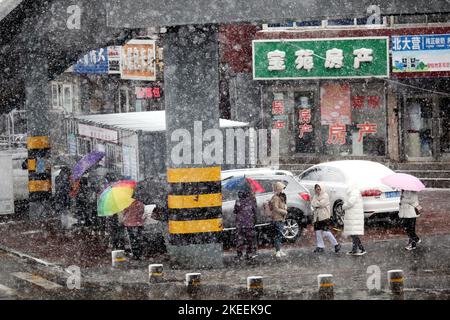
x: 245, y: 210
x: 321, y: 206
x: 354, y: 212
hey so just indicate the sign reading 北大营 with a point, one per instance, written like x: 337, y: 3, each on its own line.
x: 321, y: 58
x: 421, y: 53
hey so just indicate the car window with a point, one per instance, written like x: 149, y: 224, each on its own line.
x: 267, y: 184
x: 332, y: 175
x: 310, y: 175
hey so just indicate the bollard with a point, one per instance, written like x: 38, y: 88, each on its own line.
x: 255, y: 286
x: 326, y: 286
x: 396, y: 281
x: 155, y: 273
x: 193, y: 282
x: 118, y: 258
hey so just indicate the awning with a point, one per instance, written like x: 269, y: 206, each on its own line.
x: 149, y: 121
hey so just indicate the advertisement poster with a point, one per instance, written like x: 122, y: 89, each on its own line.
x: 95, y: 62
x: 421, y: 53
x: 114, y: 53
x: 138, y: 60
x: 335, y: 105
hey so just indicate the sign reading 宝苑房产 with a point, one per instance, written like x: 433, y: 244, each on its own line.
x: 321, y: 58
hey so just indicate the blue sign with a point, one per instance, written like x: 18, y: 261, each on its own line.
x: 421, y: 42
x: 95, y: 62
x: 421, y: 53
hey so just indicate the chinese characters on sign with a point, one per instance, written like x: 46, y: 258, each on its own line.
x: 276, y: 60
x: 98, y: 133
x: 304, y: 59
x: 305, y: 126
x: 277, y: 107
x: 138, y: 60
x: 366, y: 128
x: 421, y: 53
x: 334, y: 58
x: 148, y: 93
x: 358, y: 102
x: 336, y: 134
x: 321, y: 58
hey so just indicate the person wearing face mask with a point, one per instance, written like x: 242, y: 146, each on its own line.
x: 322, y: 219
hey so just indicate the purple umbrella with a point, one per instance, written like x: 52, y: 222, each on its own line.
x: 87, y: 162
x: 403, y: 181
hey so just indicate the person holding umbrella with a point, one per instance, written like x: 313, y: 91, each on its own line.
x: 409, y: 203
x: 245, y: 210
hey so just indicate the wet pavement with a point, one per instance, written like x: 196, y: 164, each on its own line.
x: 427, y: 270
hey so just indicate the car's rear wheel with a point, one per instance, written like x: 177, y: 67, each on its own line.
x: 338, y: 214
x: 293, y: 228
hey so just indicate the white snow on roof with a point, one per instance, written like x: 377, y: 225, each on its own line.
x: 6, y: 6
x: 149, y: 121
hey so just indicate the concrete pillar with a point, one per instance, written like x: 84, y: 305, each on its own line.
x: 191, y: 80
x: 393, y: 123
x: 38, y: 123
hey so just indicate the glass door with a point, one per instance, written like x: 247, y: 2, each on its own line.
x: 444, y: 127
x: 418, y: 129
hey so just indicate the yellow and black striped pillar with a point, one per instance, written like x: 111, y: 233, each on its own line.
x: 39, y: 169
x: 195, y: 205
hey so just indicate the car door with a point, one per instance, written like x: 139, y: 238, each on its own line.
x: 228, y: 201
x: 334, y: 182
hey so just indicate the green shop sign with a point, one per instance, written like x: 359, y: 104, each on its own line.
x: 321, y: 58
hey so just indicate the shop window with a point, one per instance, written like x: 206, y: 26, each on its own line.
x: 353, y: 119
x: 124, y: 100
x: 84, y: 146
x: 67, y: 98
x: 304, y: 116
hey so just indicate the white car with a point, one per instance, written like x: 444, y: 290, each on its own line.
x: 335, y: 177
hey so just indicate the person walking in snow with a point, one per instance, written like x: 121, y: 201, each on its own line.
x: 322, y: 219
x: 409, y: 202
x: 354, y: 219
x: 279, y: 212
x: 245, y: 210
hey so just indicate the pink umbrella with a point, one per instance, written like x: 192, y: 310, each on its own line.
x: 403, y: 181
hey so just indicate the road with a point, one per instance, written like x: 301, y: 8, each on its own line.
x: 427, y: 270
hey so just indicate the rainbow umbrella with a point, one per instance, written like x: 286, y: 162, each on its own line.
x: 116, y: 198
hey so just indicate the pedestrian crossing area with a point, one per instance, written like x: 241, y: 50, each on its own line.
x: 24, y: 285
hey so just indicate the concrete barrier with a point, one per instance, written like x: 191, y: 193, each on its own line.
x: 396, y: 281
x: 192, y: 282
x: 326, y: 286
x: 155, y: 273
x: 255, y: 286
x: 119, y: 259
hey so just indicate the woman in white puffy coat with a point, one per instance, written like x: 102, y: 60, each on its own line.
x: 409, y: 200
x: 354, y: 218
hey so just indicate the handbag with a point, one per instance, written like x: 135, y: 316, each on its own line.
x: 267, y: 206
x: 418, y: 209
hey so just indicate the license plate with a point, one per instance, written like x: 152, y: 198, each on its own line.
x: 392, y: 194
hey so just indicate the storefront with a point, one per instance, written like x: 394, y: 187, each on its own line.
x: 421, y: 64
x: 326, y: 96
